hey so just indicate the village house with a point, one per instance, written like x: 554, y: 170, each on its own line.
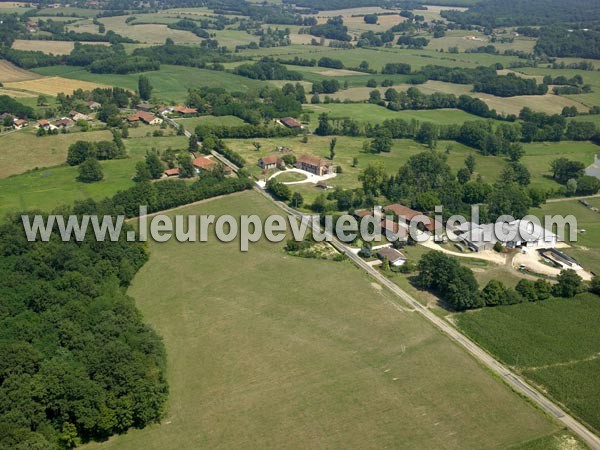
x: 394, y: 257
x: 43, y: 123
x: 290, y: 122
x: 19, y: 123
x: 184, y: 110
x: 75, y: 115
x: 314, y: 165
x: 146, y: 117
x: 93, y: 105
x: 270, y: 162
x: 64, y: 123
x: 203, y: 163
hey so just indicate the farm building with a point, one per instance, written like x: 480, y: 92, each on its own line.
x: 19, y: 123
x: 290, y: 122
x: 146, y: 117
x: 402, y: 211
x: 75, y: 115
x: 65, y: 123
x: 43, y: 123
x: 529, y: 234
x: 270, y: 162
x: 314, y: 165
x: 93, y: 105
x: 171, y: 172
x: 184, y: 110
x: 394, y: 257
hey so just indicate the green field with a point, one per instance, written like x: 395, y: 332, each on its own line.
x: 555, y: 344
x: 192, y: 122
x: 23, y: 150
x: 46, y: 189
x: 262, y: 356
x: 371, y: 113
x: 171, y: 83
x: 539, y: 155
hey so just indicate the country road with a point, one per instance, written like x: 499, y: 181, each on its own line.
x: 471, y: 347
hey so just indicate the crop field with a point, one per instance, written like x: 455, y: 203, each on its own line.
x: 9, y: 72
x: 370, y: 113
x: 252, y: 366
x: 554, y: 343
x: 171, y: 83
x: 17, y: 94
x: 23, y: 150
x: 53, y: 47
x: 48, y: 188
x: 54, y: 85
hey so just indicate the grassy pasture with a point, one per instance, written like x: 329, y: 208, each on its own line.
x: 192, y: 122
x: 48, y: 188
x: 148, y: 33
x: 262, y: 356
x: 539, y: 155
x: 371, y: 113
x: 553, y: 343
x: 171, y: 83
x: 23, y: 150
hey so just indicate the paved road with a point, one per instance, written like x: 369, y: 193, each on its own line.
x: 475, y: 350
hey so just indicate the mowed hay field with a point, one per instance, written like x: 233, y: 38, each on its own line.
x: 23, y: 150
x: 10, y: 73
x: 268, y: 351
x: 53, y: 47
x: 54, y: 85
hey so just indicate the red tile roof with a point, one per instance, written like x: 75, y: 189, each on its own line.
x: 184, y: 110
x: 204, y: 163
x: 172, y: 172
x: 312, y: 161
x: 290, y: 122
x: 271, y: 159
x: 402, y: 211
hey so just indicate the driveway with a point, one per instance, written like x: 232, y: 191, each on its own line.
x: 310, y: 177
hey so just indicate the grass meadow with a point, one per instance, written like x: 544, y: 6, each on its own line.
x: 262, y: 356
x: 45, y: 189
x: 23, y: 150
x: 171, y: 83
